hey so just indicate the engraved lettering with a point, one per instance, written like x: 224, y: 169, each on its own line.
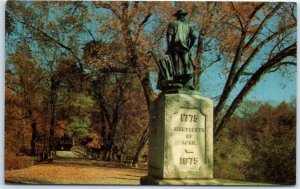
x: 188, y: 136
x: 196, y: 118
x: 187, y: 129
x: 187, y: 142
x: 188, y: 160
x: 189, y: 118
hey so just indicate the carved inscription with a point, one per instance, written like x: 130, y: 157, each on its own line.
x: 189, y: 139
x: 191, y: 161
x: 189, y: 117
x: 190, y: 129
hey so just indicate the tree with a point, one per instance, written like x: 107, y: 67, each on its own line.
x: 15, y: 126
x: 42, y: 40
x: 111, y: 92
x: 24, y: 79
x: 254, y: 36
x: 78, y: 127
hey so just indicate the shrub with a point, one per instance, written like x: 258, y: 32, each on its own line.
x: 12, y: 161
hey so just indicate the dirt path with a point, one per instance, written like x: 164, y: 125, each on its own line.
x: 69, y: 169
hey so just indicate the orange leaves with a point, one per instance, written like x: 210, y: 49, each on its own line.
x: 270, y: 121
x: 96, y: 140
x: 60, y: 128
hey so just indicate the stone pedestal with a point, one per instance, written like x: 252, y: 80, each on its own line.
x: 181, y: 137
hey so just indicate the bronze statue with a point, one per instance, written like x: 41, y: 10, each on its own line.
x: 175, y: 71
x: 180, y: 39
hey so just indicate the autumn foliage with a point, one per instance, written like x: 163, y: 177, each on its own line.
x: 260, y: 145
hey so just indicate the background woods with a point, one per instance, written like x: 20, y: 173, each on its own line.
x: 78, y: 73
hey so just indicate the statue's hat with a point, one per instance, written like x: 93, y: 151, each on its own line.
x: 180, y: 13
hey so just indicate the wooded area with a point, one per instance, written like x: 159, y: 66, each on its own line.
x: 78, y: 73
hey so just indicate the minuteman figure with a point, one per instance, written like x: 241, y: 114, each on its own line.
x: 180, y: 39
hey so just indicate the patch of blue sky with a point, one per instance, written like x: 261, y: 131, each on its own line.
x: 152, y: 24
x: 12, y: 41
x: 213, y: 80
x: 274, y: 89
x: 153, y: 80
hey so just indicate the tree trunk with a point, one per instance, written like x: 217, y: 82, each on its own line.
x: 141, y: 145
x: 108, y: 151
x: 149, y: 96
x: 33, y: 138
x: 45, y: 140
x: 73, y: 142
x: 53, y: 99
x: 111, y: 140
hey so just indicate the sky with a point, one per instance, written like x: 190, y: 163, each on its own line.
x: 273, y: 88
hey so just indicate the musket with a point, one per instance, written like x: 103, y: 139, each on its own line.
x: 190, y: 56
x: 172, y: 64
x: 158, y: 64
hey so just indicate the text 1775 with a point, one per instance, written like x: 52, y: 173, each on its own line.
x: 189, y: 118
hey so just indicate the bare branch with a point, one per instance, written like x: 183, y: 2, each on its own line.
x: 89, y: 31
x: 257, y: 49
x: 57, y: 42
x: 141, y: 26
x: 282, y: 39
x: 293, y: 6
x: 254, y: 79
x: 230, y: 24
x: 275, y: 68
x: 256, y: 10
x: 262, y: 24
x: 210, y: 64
x: 237, y: 16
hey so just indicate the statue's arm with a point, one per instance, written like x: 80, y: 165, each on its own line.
x: 193, y: 38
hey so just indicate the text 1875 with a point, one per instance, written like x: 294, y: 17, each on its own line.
x: 190, y: 161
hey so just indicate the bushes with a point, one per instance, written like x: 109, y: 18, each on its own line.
x: 274, y: 148
x: 260, y: 146
x: 12, y: 161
